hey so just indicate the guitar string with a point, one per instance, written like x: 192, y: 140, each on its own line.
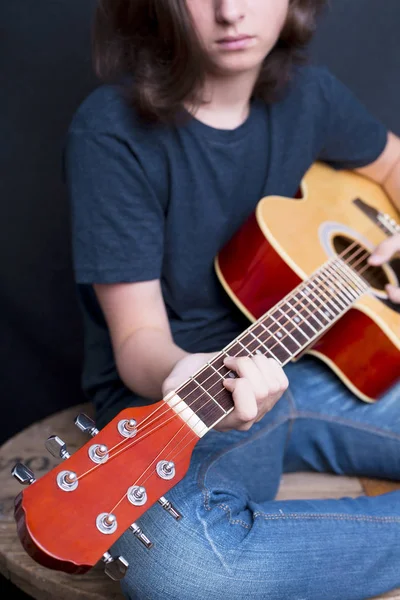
x: 367, y: 266
x: 123, y: 442
x: 150, y: 465
x: 168, y: 456
x: 313, y: 312
x: 112, y: 511
x: 188, y: 432
x: 138, y: 439
x: 143, y: 480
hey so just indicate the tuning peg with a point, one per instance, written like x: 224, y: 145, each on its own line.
x: 23, y: 474
x: 169, y: 507
x: 141, y: 536
x: 116, y: 568
x: 86, y: 424
x: 57, y: 447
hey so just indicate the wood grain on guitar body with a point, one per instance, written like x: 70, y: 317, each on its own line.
x: 298, y: 270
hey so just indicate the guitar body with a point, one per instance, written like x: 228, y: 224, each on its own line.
x: 287, y: 239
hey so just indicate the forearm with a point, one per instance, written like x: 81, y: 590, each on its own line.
x: 146, y: 359
x: 391, y: 185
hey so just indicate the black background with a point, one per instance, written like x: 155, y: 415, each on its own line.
x: 45, y: 72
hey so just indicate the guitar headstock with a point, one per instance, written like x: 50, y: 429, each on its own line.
x: 69, y: 518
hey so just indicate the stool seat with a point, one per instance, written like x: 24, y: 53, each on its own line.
x: 45, y: 584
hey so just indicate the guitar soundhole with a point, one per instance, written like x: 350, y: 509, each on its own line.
x: 356, y: 255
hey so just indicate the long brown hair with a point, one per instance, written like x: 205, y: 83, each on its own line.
x: 152, y: 46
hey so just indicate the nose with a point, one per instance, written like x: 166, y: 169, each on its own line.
x: 229, y: 11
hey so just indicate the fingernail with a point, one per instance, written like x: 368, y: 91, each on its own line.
x: 229, y: 382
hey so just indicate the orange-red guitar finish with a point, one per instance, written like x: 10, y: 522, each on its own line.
x: 58, y: 528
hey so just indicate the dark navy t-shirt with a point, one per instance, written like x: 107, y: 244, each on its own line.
x: 151, y: 202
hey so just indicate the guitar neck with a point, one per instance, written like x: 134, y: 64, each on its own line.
x: 281, y: 333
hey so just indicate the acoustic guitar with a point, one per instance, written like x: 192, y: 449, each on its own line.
x: 298, y: 269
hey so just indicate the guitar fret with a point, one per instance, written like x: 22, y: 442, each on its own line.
x: 319, y: 304
x: 236, y: 349
x: 311, y: 319
x: 332, y: 290
x: 281, y: 333
x: 286, y: 331
x: 262, y: 332
x: 278, y: 330
x: 325, y: 304
x: 340, y: 280
x: 352, y: 273
x: 261, y: 343
x: 211, y: 380
x: 349, y: 283
x: 250, y: 345
x: 342, y: 290
x: 277, y: 338
x: 306, y: 296
x: 323, y: 309
x: 217, y: 371
x: 354, y: 277
x: 207, y: 410
x: 302, y: 320
x: 208, y: 394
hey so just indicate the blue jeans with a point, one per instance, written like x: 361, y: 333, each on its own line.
x: 236, y: 541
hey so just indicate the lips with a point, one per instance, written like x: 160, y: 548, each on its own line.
x: 236, y: 42
x: 232, y: 38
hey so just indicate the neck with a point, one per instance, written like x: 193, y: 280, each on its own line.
x: 226, y: 100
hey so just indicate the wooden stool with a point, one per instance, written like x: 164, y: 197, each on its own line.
x: 45, y: 584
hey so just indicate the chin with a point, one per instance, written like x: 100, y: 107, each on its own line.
x: 239, y: 62
x: 238, y: 67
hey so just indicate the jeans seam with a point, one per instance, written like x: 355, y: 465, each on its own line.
x: 354, y: 424
x: 225, y: 508
x: 336, y: 516
x: 214, y: 458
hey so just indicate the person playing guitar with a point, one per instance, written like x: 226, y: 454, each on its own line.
x: 204, y: 108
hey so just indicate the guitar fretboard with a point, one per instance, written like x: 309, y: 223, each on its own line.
x: 281, y: 333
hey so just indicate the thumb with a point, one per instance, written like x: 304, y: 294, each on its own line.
x: 169, y: 385
x: 383, y: 252
x: 393, y: 293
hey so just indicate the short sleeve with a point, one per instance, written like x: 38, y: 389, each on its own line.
x: 117, y: 221
x: 353, y: 137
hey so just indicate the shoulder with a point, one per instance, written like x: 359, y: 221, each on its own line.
x: 311, y: 82
x: 311, y: 96
x: 106, y: 110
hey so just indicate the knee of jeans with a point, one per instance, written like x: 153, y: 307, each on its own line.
x: 184, y: 569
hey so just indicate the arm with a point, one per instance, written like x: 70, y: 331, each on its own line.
x: 385, y: 170
x: 144, y: 350
x: 151, y: 364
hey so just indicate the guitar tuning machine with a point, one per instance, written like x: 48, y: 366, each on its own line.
x: 136, y: 530
x: 169, y: 507
x: 86, y: 424
x: 23, y: 474
x: 115, y: 568
x: 57, y: 447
